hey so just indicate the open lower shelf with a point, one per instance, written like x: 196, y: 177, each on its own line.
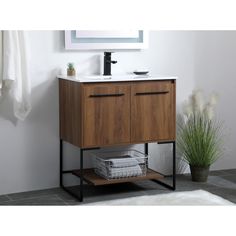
x: 91, y: 177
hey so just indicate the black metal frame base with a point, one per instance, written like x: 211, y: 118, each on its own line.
x: 80, y: 196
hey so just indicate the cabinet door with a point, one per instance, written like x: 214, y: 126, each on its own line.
x: 153, y: 111
x: 106, y: 114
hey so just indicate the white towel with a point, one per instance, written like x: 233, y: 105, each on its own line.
x: 15, y: 72
x: 123, y: 162
x: 116, y: 172
x: 124, y: 172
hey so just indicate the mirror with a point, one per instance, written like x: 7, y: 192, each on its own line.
x: 105, y: 39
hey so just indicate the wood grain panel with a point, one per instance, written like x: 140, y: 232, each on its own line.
x: 70, y: 112
x: 106, y: 114
x: 152, y: 111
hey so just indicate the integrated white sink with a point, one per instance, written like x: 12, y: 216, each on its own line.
x: 97, y: 77
x: 114, y: 78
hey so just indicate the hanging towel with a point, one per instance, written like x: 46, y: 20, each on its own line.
x: 15, y: 72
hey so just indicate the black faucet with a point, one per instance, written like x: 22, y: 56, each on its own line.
x: 107, y: 63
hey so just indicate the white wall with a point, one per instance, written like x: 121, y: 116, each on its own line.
x: 215, y: 70
x: 29, y: 157
x: 0, y: 53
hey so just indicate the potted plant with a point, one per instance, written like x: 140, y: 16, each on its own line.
x: 200, y: 136
x: 70, y: 69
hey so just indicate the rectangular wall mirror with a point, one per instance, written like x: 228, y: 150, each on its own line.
x: 105, y: 39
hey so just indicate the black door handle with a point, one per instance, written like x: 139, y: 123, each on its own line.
x: 107, y: 95
x: 152, y: 93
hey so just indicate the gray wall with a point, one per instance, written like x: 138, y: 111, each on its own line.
x: 29, y: 157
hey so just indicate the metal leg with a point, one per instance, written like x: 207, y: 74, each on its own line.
x: 80, y: 197
x: 61, y: 162
x: 81, y: 174
x: 173, y: 186
x: 146, y: 148
x: 62, y: 172
x: 174, y: 165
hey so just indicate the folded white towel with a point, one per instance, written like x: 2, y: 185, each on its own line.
x: 123, y: 172
x: 112, y: 173
x: 123, y: 162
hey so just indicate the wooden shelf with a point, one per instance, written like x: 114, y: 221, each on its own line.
x: 91, y: 177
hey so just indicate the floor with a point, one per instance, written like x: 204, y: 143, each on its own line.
x: 221, y: 183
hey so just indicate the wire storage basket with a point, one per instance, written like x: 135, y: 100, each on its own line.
x: 120, y: 164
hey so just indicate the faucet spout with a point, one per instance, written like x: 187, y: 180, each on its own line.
x: 111, y: 62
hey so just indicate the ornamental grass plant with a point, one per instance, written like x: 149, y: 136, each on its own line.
x: 200, y: 134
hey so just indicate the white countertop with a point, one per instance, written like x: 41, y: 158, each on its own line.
x: 114, y: 78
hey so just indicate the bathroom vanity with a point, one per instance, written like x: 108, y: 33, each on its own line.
x: 104, y: 111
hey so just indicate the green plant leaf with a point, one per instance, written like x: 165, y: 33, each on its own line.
x: 200, y: 140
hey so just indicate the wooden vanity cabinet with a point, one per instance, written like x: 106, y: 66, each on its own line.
x: 113, y: 113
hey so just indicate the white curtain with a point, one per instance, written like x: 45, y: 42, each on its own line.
x: 15, y: 77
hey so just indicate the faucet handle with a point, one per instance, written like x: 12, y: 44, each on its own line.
x: 108, y: 53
